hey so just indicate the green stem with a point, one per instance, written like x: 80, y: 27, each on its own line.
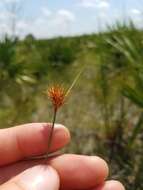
x: 51, y: 132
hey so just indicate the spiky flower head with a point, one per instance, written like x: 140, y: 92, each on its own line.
x: 57, y: 95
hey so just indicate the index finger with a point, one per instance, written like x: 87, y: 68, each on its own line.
x: 30, y: 140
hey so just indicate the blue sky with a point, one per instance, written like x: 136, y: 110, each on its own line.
x: 49, y: 18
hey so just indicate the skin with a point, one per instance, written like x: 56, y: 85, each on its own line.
x: 76, y: 172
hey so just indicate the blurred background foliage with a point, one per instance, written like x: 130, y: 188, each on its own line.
x: 104, y: 111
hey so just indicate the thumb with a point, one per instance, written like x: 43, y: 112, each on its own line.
x: 40, y: 177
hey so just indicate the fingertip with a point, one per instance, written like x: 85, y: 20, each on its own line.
x: 101, y: 168
x: 64, y: 131
x: 83, y: 171
x: 110, y: 185
x: 113, y: 184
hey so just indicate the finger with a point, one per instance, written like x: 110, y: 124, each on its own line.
x: 29, y: 140
x: 82, y: 172
x: 39, y: 177
x: 110, y: 185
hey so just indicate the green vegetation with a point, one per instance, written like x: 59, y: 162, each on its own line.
x: 104, y: 111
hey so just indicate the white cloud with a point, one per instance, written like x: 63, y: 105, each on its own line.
x: 46, y: 11
x: 22, y: 25
x: 4, y: 29
x: 6, y: 16
x: 66, y: 15
x: 136, y: 16
x: 87, y: 3
x: 94, y: 3
x: 11, y: 1
x: 53, y: 24
x: 48, y: 24
x: 103, y: 4
x: 135, y: 11
x: 3, y: 15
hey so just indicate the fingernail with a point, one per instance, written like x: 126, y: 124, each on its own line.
x: 109, y: 185
x: 62, y: 133
x: 101, y: 168
x: 113, y: 185
x: 39, y: 177
x: 57, y: 125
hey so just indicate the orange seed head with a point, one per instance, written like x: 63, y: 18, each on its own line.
x: 57, y: 95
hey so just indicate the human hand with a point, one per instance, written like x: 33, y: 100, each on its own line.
x: 65, y: 172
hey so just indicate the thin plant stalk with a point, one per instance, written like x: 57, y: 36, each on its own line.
x: 74, y: 82
x: 56, y: 106
x: 51, y: 132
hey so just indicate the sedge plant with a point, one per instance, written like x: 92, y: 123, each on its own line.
x: 58, y: 95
